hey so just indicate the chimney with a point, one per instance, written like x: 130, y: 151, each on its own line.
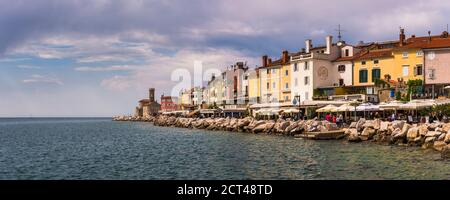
x: 429, y: 36
x: 413, y: 36
x: 329, y: 42
x: 308, y: 45
x: 151, y: 94
x: 402, y: 37
x: 264, y: 61
x: 269, y: 61
x: 285, y: 57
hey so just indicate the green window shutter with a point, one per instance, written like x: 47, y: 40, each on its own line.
x: 363, y: 76
x: 375, y: 74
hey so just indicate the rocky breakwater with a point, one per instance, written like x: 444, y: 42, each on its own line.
x: 428, y: 136
x: 134, y: 119
x: 247, y: 125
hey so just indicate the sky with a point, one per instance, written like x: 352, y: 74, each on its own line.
x: 87, y: 58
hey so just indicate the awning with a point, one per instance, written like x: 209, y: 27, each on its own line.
x: 290, y: 110
x: 328, y: 108
x: 345, y: 108
x: 416, y: 104
x: 368, y: 107
x: 393, y: 105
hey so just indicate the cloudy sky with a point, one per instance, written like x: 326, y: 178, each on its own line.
x: 98, y: 57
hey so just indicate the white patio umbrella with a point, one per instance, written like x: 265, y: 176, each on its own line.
x: 345, y: 108
x: 393, y: 105
x: 415, y: 105
x: 328, y: 108
x: 290, y: 110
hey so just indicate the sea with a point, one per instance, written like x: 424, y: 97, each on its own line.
x: 102, y: 149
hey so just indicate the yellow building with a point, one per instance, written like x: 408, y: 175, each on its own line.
x: 275, y: 79
x: 408, y: 63
x: 285, y: 78
x: 254, y: 87
x: 374, y: 64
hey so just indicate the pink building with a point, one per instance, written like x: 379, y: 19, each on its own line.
x: 234, y: 78
x: 437, y: 65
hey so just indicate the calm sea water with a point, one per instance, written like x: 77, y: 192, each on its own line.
x: 96, y: 148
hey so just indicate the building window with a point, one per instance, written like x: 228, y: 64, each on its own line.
x: 405, y: 54
x: 245, y: 77
x: 341, y: 68
x: 286, y: 98
x: 405, y: 70
x: 306, y: 80
x: 273, y: 85
x: 418, y: 70
x: 287, y: 73
x: 268, y: 71
x: 306, y: 67
x: 268, y: 85
x: 363, y: 62
x: 347, y: 53
x: 376, y: 73
x: 274, y: 71
x: 419, y: 53
x: 306, y: 95
x: 376, y: 62
x: 296, y: 82
x: 363, y: 76
x: 287, y: 85
x: 295, y: 67
x: 341, y: 82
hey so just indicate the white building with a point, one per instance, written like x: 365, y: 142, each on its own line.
x: 197, y: 96
x: 215, y: 91
x: 314, y: 68
x: 344, y: 64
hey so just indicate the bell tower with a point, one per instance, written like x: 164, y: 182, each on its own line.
x: 151, y: 94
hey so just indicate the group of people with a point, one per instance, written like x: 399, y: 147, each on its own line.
x: 339, y: 120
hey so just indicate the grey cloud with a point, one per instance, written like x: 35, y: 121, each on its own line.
x: 255, y: 26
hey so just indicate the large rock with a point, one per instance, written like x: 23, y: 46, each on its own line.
x: 291, y: 127
x: 354, y: 137
x: 384, y: 126
x: 429, y: 139
x: 412, y: 134
x: 445, y: 153
x: 405, y: 128
x: 282, y: 127
x: 428, y: 143
x: 441, y: 137
x: 432, y: 134
x: 360, y: 124
x: 447, y: 138
x: 446, y: 127
x: 423, y: 130
x: 369, y: 124
x: 398, y: 124
x: 259, y: 128
x: 432, y: 127
x: 367, y: 133
x: 439, y: 145
x: 353, y: 125
x: 399, y: 136
x: 269, y: 127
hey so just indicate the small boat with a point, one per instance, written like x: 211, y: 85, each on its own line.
x: 324, y: 135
